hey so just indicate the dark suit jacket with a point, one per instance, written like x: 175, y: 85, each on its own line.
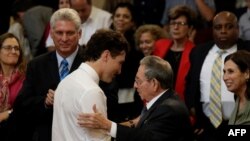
x: 192, y: 92
x: 167, y: 119
x: 32, y: 118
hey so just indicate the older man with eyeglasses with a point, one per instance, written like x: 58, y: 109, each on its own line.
x: 165, y: 117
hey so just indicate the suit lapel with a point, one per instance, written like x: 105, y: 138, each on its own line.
x: 53, y: 66
x: 147, y: 115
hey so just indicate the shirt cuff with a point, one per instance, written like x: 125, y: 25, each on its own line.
x: 113, y: 130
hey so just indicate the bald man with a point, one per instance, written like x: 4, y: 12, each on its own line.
x: 202, y: 58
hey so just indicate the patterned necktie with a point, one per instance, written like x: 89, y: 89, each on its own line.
x: 215, y: 91
x: 64, y: 70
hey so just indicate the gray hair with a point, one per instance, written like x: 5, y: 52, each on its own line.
x: 66, y: 14
x: 159, y: 69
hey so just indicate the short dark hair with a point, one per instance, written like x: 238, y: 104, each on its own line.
x: 105, y: 39
x: 130, y: 7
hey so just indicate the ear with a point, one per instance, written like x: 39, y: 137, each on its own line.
x: 105, y: 55
x: 155, y: 84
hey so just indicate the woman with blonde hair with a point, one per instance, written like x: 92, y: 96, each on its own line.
x: 146, y: 36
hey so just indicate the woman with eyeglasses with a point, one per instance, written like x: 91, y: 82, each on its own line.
x: 12, y: 75
x: 176, y: 49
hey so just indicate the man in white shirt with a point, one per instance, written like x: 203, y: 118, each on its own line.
x: 92, y: 19
x: 164, y: 117
x: 79, y: 91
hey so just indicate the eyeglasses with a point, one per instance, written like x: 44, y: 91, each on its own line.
x: 139, y: 81
x: 173, y: 23
x: 10, y: 48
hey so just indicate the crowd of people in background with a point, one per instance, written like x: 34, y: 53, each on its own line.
x: 202, y: 67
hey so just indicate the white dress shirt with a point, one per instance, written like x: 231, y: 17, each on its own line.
x: 113, y: 130
x: 75, y: 94
x: 98, y: 19
x: 227, y: 97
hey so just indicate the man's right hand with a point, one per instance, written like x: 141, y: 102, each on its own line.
x: 49, y: 100
x: 94, y: 120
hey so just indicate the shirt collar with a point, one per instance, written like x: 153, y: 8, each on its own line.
x: 91, y: 71
x: 69, y: 59
x: 151, y: 102
x: 229, y: 50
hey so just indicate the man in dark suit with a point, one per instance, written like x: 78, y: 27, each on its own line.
x: 225, y: 33
x: 33, y: 110
x: 165, y: 117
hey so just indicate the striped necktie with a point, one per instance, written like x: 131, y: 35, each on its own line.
x: 215, y: 91
x: 64, y: 70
